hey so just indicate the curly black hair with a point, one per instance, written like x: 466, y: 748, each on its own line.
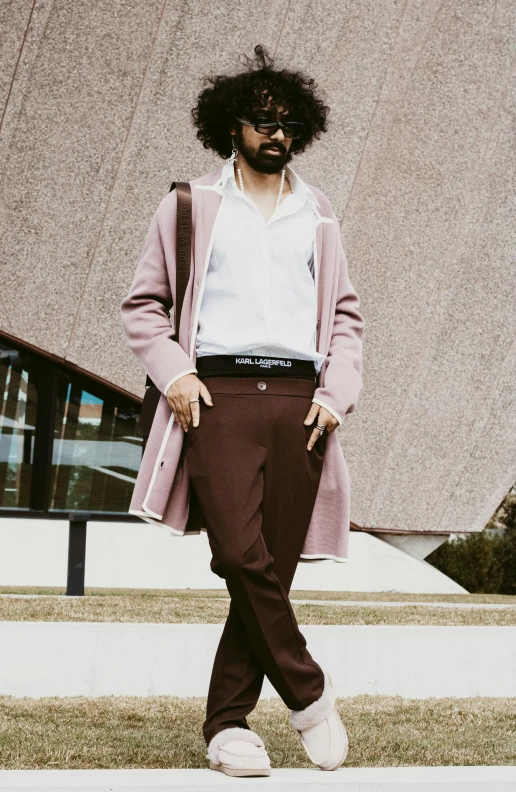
x: 229, y: 95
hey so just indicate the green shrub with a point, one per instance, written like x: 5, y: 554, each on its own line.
x: 483, y: 563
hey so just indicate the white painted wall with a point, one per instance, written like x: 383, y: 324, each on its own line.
x: 99, y: 659
x: 141, y: 555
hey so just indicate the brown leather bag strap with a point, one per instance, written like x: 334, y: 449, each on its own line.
x: 183, y: 251
x: 183, y: 246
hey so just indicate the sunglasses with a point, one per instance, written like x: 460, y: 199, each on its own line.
x: 292, y: 129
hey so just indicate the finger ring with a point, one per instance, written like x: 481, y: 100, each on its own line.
x: 321, y: 428
x: 192, y: 400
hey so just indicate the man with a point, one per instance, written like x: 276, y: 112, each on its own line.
x: 267, y: 362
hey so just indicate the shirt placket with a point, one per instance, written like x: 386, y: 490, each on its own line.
x: 266, y: 259
x: 264, y: 277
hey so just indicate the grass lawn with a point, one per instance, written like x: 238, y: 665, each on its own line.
x: 166, y: 732
x: 382, y: 596
x: 209, y: 607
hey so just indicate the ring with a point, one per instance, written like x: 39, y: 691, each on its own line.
x: 321, y: 428
x: 192, y: 400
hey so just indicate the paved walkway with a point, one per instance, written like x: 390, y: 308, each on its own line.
x: 367, y: 779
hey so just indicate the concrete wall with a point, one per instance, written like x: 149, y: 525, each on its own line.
x: 140, y: 555
x: 419, y: 164
x: 133, y: 659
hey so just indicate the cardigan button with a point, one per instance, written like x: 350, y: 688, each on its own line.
x: 261, y: 386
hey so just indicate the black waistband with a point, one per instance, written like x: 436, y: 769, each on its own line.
x: 251, y: 365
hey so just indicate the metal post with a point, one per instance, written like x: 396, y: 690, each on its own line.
x: 77, y: 553
x: 47, y: 386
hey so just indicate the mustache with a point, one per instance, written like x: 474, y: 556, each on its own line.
x: 274, y: 146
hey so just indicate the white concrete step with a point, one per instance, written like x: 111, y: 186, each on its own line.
x: 367, y: 779
x: 132, y: 659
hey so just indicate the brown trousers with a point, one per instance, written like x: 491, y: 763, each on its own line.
x: 256, y: 483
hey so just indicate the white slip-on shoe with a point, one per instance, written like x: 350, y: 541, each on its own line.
x: 238, y: 752
x: 321, y: 730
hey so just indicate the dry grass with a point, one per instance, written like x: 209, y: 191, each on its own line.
x: 408, y: 615
x: 166, y: 732
x: 194, y: 607
x: 383, y: 596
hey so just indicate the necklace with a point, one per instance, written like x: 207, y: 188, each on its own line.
x: 280, y: 189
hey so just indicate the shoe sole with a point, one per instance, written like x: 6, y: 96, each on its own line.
x: 239, y: 771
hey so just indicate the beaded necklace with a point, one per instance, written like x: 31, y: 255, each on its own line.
x: 280, y: 189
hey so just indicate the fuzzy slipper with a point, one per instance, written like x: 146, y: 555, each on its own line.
x: 316, y: 712
x: 238, y: 752
x: 321, y: 730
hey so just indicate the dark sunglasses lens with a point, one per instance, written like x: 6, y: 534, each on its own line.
x: 293, y: 129
x: 265, y: 127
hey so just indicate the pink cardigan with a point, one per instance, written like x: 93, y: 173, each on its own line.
x: 161, y: 493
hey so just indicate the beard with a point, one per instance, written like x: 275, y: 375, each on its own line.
x: 261, y: 160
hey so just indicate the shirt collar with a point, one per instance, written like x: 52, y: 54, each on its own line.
x: 299, y: 187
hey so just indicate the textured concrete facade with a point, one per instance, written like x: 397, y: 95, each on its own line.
x: 419, y: 163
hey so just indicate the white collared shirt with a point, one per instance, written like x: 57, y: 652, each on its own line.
x: 260, y: 293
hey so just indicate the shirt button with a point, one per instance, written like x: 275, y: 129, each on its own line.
x: 261, y: 386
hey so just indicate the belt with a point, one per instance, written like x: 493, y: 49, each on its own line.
x: 251, y: 365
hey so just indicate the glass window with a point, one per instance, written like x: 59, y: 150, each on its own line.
x: 67, y: 441
x: 18, y: 399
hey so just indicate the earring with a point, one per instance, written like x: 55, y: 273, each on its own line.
x: 234, y: 151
